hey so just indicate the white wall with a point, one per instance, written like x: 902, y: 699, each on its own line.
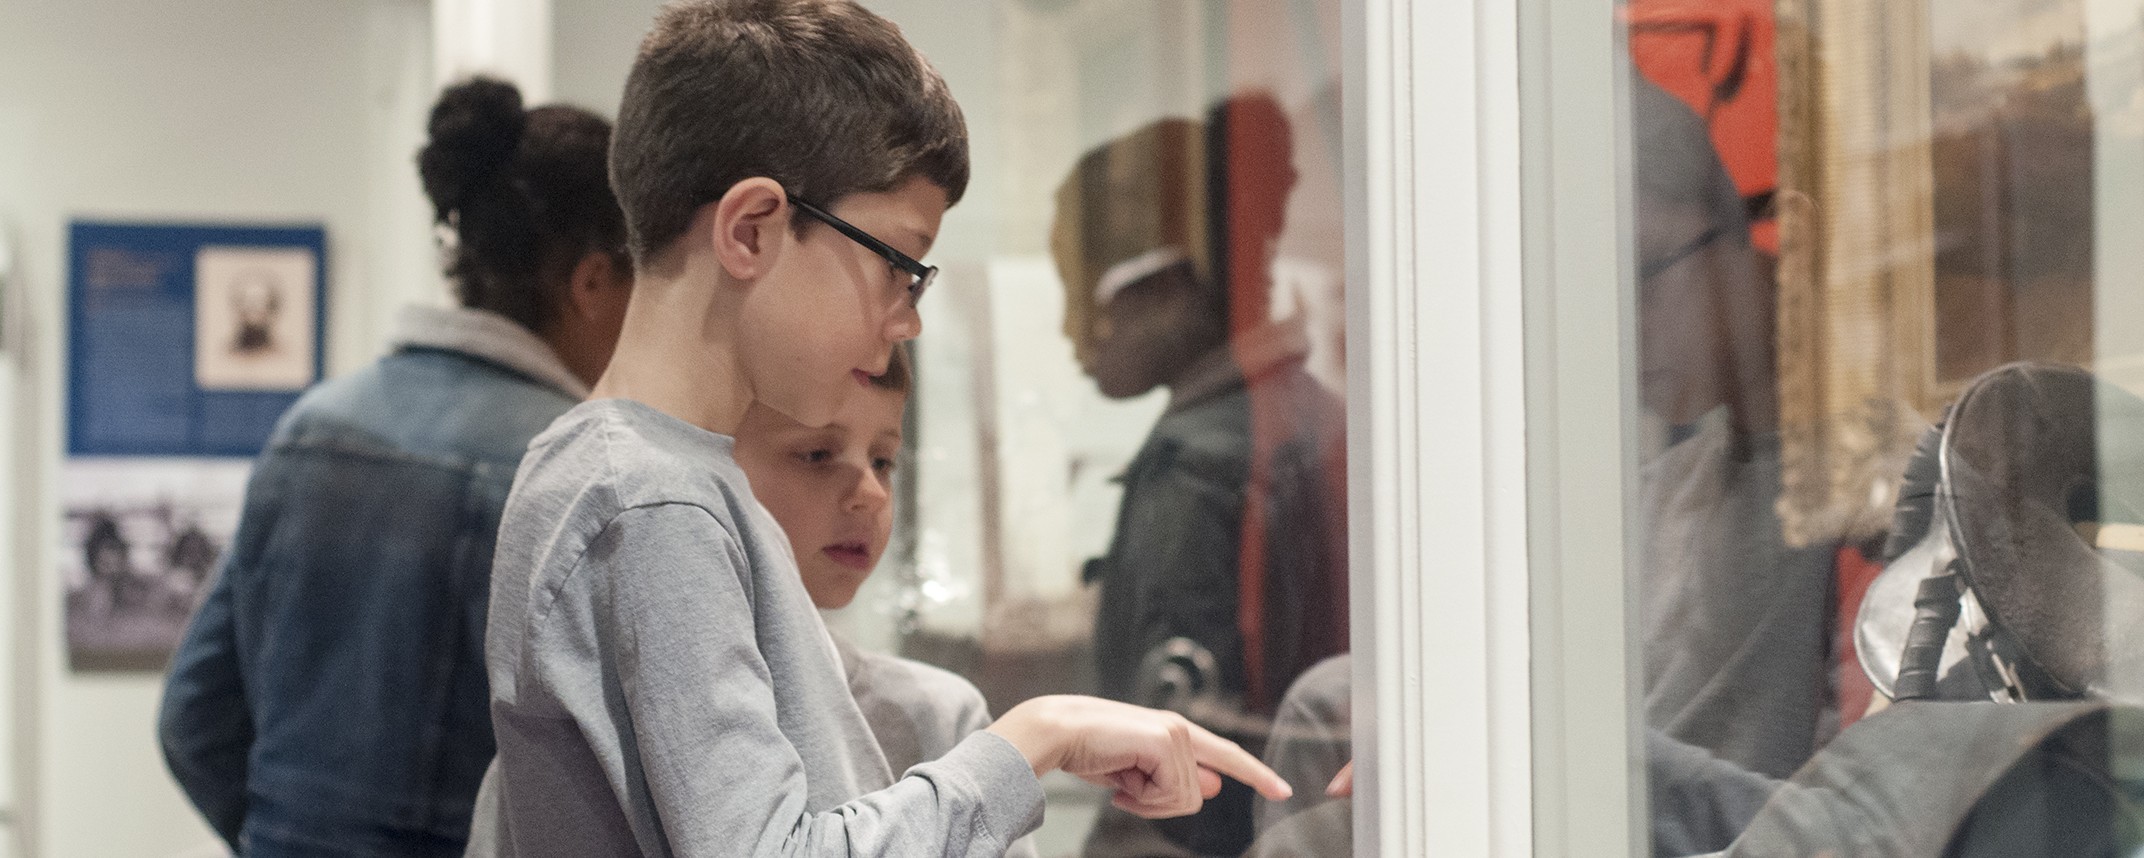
x: 301, y: 110
x: 592, y: 48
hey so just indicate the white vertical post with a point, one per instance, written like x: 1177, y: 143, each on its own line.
x: 1581, y: 367
x: 396, y: 261
x: 510, y: 39
x: 1437, y: 429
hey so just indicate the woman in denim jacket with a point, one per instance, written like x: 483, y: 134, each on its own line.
x: 329, y: 697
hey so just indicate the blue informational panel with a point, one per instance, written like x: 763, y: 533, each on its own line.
x: 189, y: 340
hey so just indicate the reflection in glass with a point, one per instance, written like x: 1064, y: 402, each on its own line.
x: 1849, y: 220
x: 1127, y: 446
x: 1733, y: 617
x: 1225, y: 574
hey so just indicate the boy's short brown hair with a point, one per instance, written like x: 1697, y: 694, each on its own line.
x: 822, y: 96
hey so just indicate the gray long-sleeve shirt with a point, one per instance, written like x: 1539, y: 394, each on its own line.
x: 918, y: 712
x: 661, y: 683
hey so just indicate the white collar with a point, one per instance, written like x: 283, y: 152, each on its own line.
x: 488, y: 336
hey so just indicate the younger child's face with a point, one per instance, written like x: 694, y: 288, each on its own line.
x: 830, y: 487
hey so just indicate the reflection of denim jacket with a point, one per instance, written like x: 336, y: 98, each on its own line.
x: 330, y: 696
x: 1174, y: 565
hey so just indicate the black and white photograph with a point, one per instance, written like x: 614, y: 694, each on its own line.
x: 254, y: 318
x: 140, y: 540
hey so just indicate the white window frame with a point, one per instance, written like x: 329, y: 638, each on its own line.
x: 1491, y: 358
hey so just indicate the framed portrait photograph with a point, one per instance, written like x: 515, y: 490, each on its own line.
x: 253, y: 318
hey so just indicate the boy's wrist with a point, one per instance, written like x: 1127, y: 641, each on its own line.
x: 1030, y: 729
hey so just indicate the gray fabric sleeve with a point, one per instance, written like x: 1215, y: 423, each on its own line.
x: 1323, y: 831
x: 973, y: 717
x: 1699, y: 803
x: 1312, y: 739
x: 721, y: 776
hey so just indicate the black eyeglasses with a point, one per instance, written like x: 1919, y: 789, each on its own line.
x: 920, y: 275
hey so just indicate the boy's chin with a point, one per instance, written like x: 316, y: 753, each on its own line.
x: 811, y: 410
x: 809, y: 402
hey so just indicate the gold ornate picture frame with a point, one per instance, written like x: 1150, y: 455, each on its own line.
x: 1935, y: 219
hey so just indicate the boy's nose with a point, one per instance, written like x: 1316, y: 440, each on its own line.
x: 906, y: 323
x: 869, y: 493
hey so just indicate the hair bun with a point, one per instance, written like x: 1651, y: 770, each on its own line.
x: 475, y: 127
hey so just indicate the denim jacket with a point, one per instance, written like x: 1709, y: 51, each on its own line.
x: 329, y: 697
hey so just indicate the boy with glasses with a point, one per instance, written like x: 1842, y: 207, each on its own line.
x: 660, y: 681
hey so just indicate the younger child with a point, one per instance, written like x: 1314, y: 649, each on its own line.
x: 830, y: 488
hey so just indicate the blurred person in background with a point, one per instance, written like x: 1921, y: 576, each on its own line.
x: 329, y: 697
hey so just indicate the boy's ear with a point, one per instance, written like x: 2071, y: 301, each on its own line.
x: 751, y: 227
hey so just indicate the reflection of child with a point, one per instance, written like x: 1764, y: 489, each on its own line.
x: 1230, y: 532
x: 830, y: 488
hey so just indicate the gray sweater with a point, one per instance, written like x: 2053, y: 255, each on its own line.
x: 918, y: 712
x: 662, y: 685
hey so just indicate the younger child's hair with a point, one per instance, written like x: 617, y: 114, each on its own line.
x: 523, y: 193
x: 820, y: 95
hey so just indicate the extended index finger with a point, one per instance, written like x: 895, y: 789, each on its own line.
x: 1228, y: 758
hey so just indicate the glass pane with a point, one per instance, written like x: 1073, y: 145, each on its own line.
x: 1889, y: 503
x: 1127, y: 444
